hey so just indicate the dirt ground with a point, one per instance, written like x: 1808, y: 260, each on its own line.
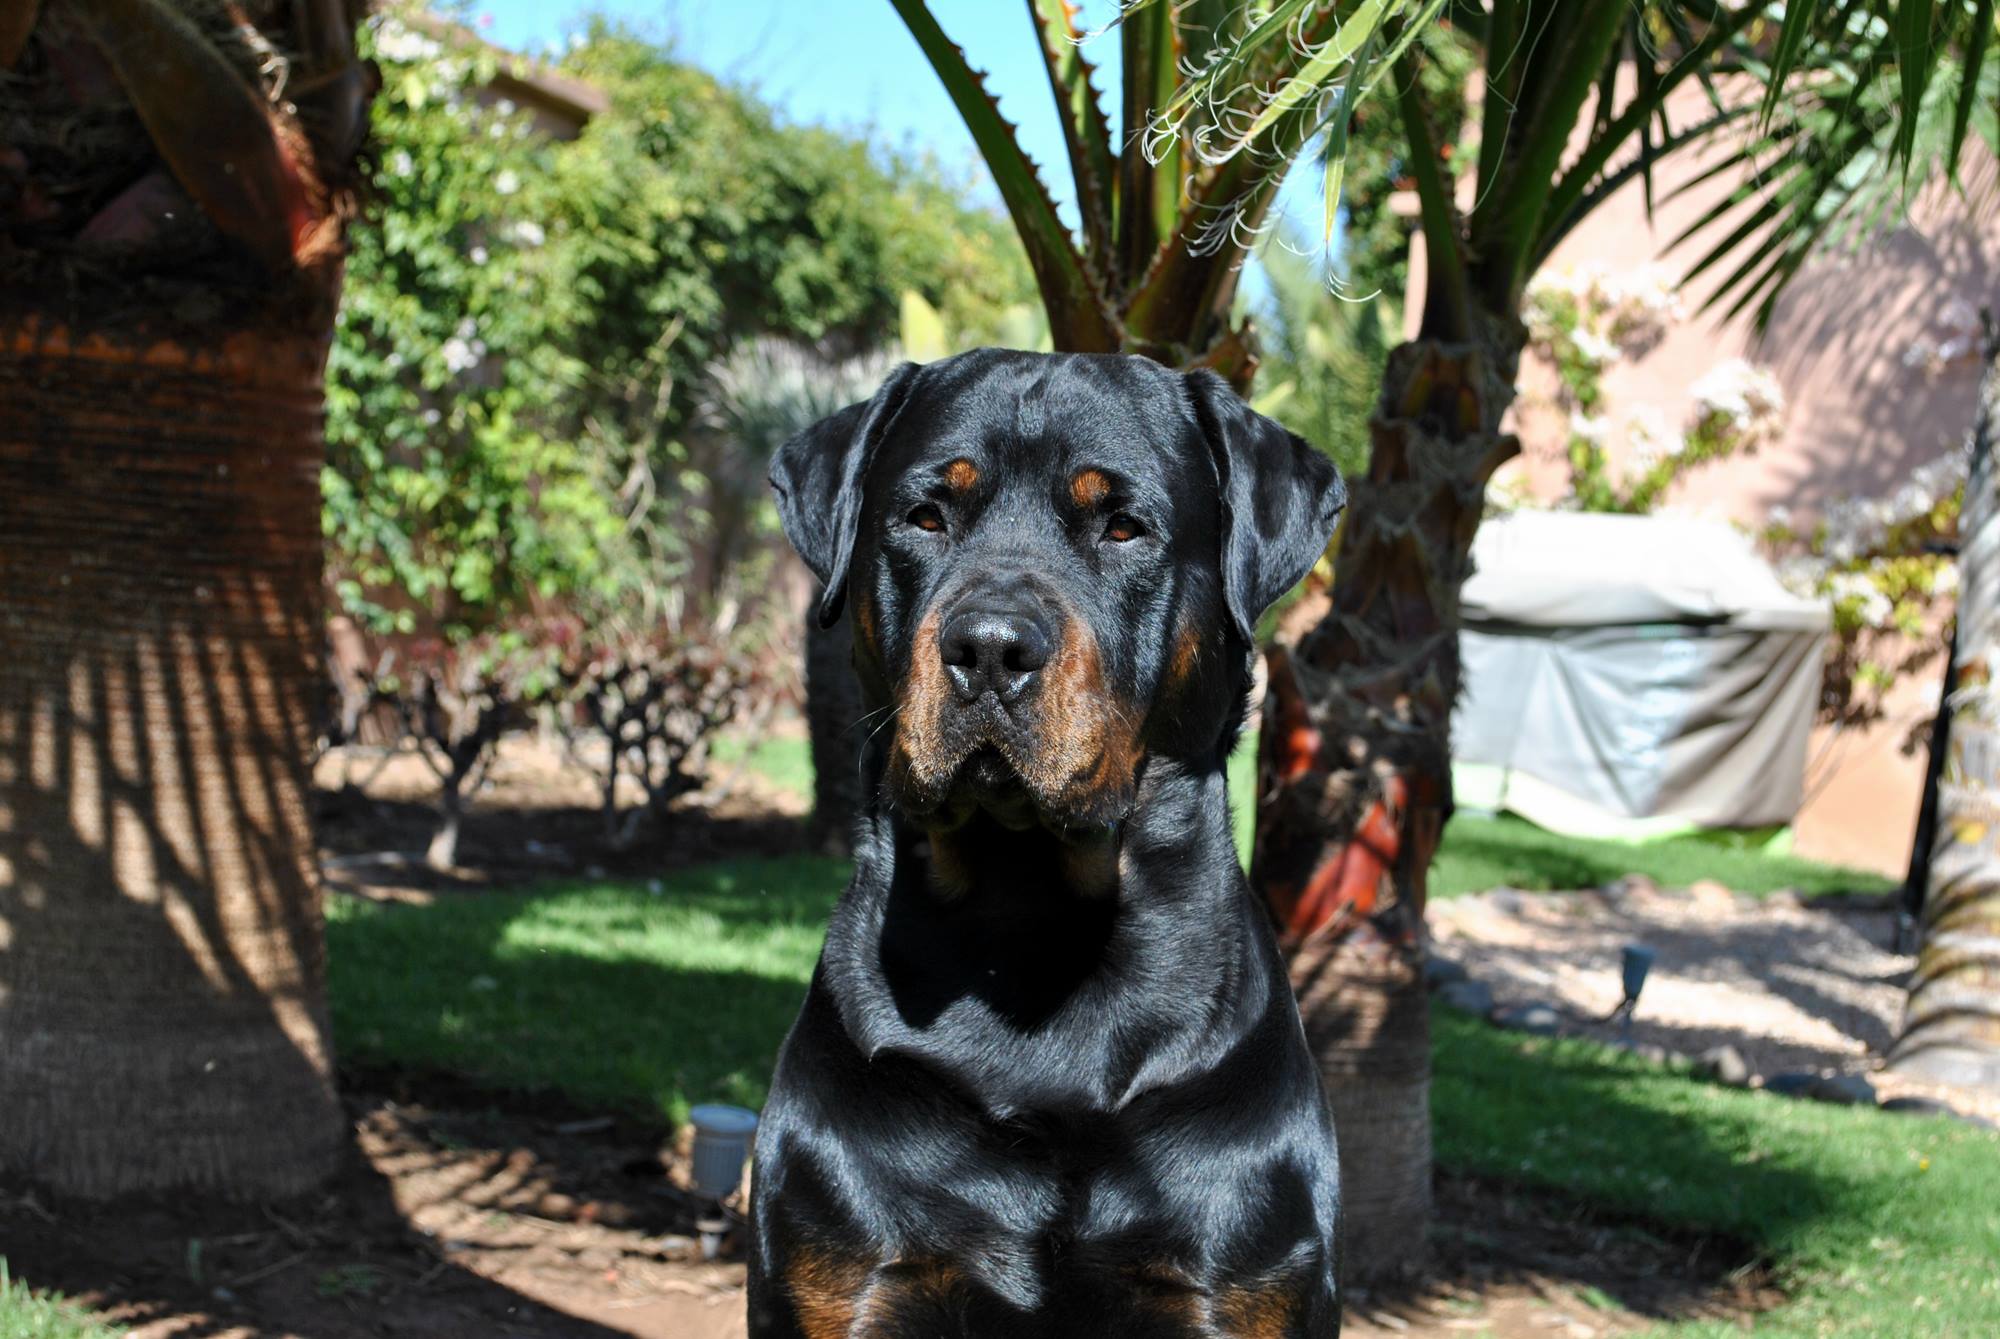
x: 461, y: 1213
x: 538, y: 818
x: 1813, y: 988
x: 458, y: 1217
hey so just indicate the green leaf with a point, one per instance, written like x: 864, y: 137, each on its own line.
x: 1978, y: 39
x: 1799, y: 15
x: 1355, y: 35
x: 1085, y: 131
x: 1149, y: 171
x: 1076, y: 305
x: 1915, y: 59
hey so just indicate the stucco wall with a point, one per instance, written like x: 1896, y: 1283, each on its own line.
x: 1858, y: 419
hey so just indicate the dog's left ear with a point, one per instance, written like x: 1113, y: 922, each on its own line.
x: 818, y: 477
x: 1280, y: 500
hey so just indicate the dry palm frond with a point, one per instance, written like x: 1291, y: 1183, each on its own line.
x: 186, y: 156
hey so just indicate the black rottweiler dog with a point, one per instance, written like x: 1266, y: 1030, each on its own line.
x: 1049, y: 1078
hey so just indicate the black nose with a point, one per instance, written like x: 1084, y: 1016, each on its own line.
x: 988, y: 651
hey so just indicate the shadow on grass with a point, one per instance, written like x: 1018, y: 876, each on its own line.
x: 339, y: 1263
x: 1867, y: 1218
x: 374, y: 846
x: 1629, y: 1137
x: 632, y: 1003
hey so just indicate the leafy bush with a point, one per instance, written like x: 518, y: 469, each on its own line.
x: 532, y: 327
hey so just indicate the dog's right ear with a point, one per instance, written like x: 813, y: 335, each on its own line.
x: 818, y: 477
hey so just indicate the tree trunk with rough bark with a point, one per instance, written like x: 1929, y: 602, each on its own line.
x: 162, y: 1018
x: 1354, y: 783
x: 833, y: 720
x: 1951, y: 1027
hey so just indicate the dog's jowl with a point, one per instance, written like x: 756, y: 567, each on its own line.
x: 1049, y: 1079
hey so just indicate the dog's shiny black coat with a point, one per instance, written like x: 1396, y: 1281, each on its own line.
x: 1049, y: 1078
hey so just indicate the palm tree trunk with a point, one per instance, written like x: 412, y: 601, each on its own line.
x: 1355, y: 773
x: 162, y: 1017
x: 1951, y: 1027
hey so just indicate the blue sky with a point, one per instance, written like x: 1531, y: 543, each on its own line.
x: 851, y: 64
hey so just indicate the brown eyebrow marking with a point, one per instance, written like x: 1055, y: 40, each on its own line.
x: 1089, y: 488
x: 961, y: 475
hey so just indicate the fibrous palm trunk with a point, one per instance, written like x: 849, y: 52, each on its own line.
x: 161, y: 1016
x: 1355, y: 779
x: 1951, y: 1027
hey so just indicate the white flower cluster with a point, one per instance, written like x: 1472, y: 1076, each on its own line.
x: 1593, y: 430
x: 1857, y: 526
x: 397, y: 42
x: 1859, y: 591
x: 1617, y: 306
x: 1653, y: 435
x: 464, y: 350
x: 1741, y: 399
x: 1846, y: 559
x: 1958, y: 339
x: 394, y: 40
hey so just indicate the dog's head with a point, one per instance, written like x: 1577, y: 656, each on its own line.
x: 1054, y: 565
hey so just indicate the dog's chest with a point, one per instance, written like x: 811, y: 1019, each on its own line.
x: 1081, y: 1227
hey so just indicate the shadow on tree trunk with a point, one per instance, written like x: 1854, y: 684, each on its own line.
x: 162, y: 1015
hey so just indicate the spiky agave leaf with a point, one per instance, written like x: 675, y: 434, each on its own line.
x: 1149, y: 183
x: 1093, y: 162
x: 1075, y: 297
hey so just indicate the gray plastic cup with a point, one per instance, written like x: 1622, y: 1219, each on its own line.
x: 721, y: 1143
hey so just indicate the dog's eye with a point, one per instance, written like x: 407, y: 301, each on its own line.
x: 1123, y: 528
x: 927, y: 517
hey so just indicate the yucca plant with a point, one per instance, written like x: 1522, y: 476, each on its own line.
x: 1217, y: 99
x: 1172, y: 199
x: 174, y: 183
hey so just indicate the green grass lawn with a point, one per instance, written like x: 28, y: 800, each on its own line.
x: 1878, y: 1224
x: 1480, y: 853
x: 625, y: 999
x: 610, y: 994
x: 25, y: 1314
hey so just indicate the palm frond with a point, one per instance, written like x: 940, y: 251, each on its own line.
x: 216, y: 133
x: 1841, y: 168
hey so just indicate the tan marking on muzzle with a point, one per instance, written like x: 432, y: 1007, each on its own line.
x: 922, y: 699
x: 1084, y: 740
